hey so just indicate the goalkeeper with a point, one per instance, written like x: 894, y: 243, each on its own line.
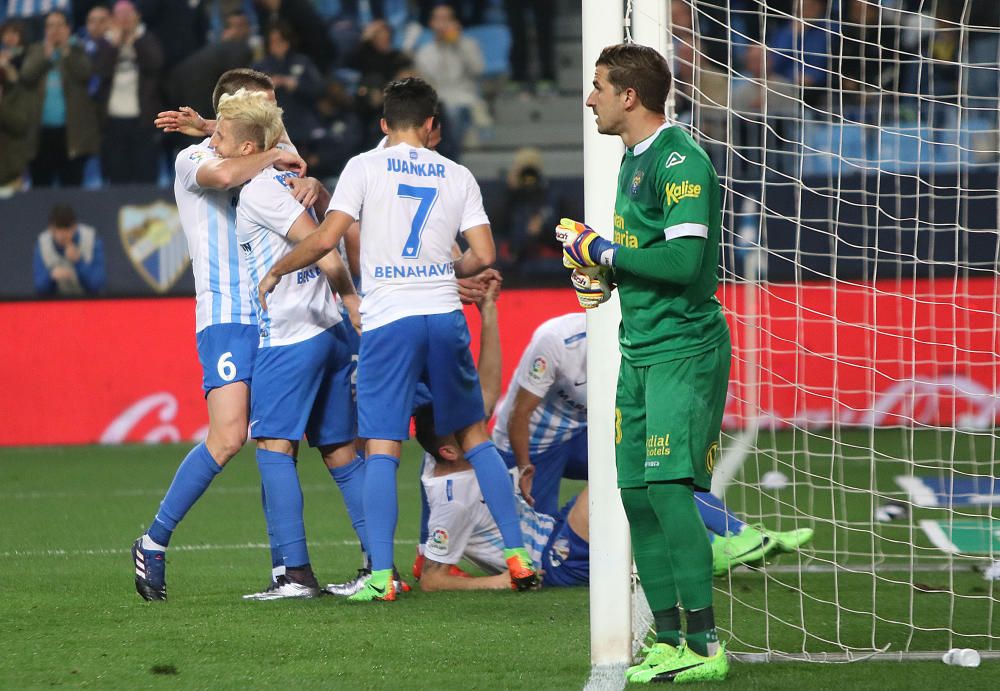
x: 675, y: 350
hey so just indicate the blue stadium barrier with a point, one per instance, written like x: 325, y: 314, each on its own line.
x: 494, y: 40
x: 832, y: 149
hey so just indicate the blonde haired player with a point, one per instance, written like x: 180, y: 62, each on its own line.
x: 206, y: 189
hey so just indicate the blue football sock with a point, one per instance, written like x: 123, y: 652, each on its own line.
x: 714, y: 514
x: 193, y: 477
x: 284, y: 506
x: 276, y: 560
x: 425, y: 511
x: 498, y: 490
x: 350, y: 479
x: 381, y: 508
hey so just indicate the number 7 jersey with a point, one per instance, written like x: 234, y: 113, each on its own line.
x: 412, y: 203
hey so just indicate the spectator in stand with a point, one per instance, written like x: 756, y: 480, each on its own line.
x: 377, y: 63
x: 180, y: 26
x: 192, y: 81
x: 297, y: 82
x: 542, y: 18
x: 800, y: 53
x: 941, y: 50
x: 32, y: 14
x: 69, y: 257
x: 130, y: 153
x: 57, y: 73
x: 529, y: 212
x: 305, y: 22
x: 452, y: 63
x: 15, y: 110
x: 869, y: 67
x: 13, y: 42
x: 101, y: 54
x: 339, y: 136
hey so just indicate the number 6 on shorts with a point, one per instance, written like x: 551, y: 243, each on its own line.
x: 226, y: 367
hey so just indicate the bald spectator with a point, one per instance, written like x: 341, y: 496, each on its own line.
x: 130, y: 152
x: 69, y: 257
x: 57, y: 73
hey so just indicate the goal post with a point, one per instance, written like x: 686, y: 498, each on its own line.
x: 860, y: 276
x: 610, y: 552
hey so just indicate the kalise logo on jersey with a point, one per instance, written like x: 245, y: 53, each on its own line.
x: 686, y: 190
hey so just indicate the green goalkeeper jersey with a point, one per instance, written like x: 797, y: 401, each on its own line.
x: 668, y: 189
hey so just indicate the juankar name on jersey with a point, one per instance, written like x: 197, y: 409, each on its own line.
x: 399, y: 165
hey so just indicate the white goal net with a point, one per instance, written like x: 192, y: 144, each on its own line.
x: 857, y: 142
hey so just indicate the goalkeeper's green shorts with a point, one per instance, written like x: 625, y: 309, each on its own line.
x: 668, y: 417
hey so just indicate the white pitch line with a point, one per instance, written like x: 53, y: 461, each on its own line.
x: 111, y: 551
x: 158, y: 492
x: 937, y: 536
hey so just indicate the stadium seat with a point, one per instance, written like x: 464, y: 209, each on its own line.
x: 826, y: 146
x: 494, y: 40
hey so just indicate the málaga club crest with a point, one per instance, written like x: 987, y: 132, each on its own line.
x: 154, y: 242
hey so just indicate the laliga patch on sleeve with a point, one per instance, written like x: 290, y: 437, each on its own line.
x: 538, y: 368
x: 199, y: 155
x: 438, y: 542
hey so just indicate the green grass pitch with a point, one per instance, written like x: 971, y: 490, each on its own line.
x: 69, y: 615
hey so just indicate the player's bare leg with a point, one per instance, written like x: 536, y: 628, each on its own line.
x: 498, y: 491
x: 227, y: 432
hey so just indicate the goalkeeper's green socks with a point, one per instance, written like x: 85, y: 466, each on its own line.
x: 652, y: 558
x: 691, y: 558
x: 668, y: 626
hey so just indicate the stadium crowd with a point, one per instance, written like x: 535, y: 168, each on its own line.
x: 79, y: 86
x: 82, y: 80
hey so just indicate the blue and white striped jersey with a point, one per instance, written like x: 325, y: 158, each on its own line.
x: 208, y: 217
x: 553, y: 367
x: 302, y: 305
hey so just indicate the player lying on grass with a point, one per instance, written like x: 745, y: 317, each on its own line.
x: 460, y: 526
x: 541, y: 429
x: 302, y: 377
x: 206, y: 189
x: 411, y: 202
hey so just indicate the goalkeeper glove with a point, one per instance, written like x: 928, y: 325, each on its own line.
x: 584, y: 247
x: 592, y: 287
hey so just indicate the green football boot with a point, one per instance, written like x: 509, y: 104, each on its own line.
x: 654, y: 655
x: 684, y: 667
x: 379, y: 587
x: 791, y: 540
x: 749, y: 546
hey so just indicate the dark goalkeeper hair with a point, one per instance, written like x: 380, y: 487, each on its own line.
x: 241, y: 78
x: 631, y: 66
x: 408, y: 103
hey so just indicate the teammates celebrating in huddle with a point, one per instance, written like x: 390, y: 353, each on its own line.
x: 411, y: 203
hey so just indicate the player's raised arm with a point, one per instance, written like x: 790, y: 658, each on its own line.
x: 185, y: 120
x: 490, y: 356
x: 226, y: 173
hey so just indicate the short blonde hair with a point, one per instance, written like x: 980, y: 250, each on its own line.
x: 255, y: 117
